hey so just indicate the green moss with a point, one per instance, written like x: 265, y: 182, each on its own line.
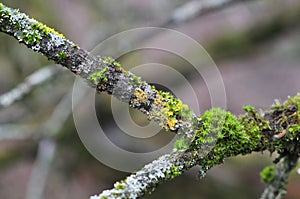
x: 1, y: 6
x: 28, y: 30
x: 62, y: 55
x: 117, y: 64
x: 104, y: 197
x: 104, y: 79
x: 182, y: 144
x: 120, y: 186
x: 249, y: 109
x: 31, y: 38
x: 268, y: 174
x: 294, y: 131
x: 97, y: 76
x: 222, y: 135
x: 136, y: 78
x: 174, y: 171
x: 43, y: 29
x: 111, y: 61
x: 108, y: 60
x: 185, y: 111
x: 288, y: 123
x: 17, y: 26
x: 212, y: 126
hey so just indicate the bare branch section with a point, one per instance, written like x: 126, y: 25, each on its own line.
x: 212, y: 137
x: 16, y: 132
x: 192, y: 9
x: 37, y: 78
x: 47, y: 147
x: 41, y: 169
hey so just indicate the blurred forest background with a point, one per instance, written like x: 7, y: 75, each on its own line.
x: 256, y: 46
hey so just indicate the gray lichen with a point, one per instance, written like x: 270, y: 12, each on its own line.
x: 276, y: 130
x: 136, y: 185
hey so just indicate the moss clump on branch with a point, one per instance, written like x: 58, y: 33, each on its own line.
x: 98, y: 76
x: 111, y: 61
x: 268, y: 174
x: 182, y: 144
x: 174, y: 171
x: 223, y: 135
x: 62, y: 55
x: 215, y: 136
x: 103, y: 73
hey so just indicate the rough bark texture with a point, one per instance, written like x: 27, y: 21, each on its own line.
x: 103, y: 73
x: 206, y: 140
x: 276, y: 187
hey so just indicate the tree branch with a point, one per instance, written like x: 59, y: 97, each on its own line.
x: 211, y: 138
x: 102, y: 73
x: 37, y: 78
x: 195, y: 8
x: 220, y: 136
x: 144, y: 181
x: 278, y: 178
x: 41, y: 168
x: 16, y: 132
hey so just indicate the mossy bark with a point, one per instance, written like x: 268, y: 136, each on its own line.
x: 206, y: 140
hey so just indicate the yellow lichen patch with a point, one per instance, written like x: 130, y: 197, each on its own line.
x: 178, y: 106
x: 172, y: 123
x: 140, y: 95
x: 158, y: 100
x: 169, y: 113
x: 45, y: 29
x: 48, y: 30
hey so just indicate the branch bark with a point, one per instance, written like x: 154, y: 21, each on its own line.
x: 195, y: 8
x: 205, y: 141
x: 102, y: 73
x: 276, y: 187
x: 37, y: 78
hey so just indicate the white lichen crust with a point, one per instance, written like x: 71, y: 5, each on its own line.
x: 136, y: 185
x: 206, y: 140
x: 102, y: 73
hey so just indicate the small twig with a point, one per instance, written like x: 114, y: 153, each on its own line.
x: 235, y: 136
x: 15, y: 132
x: 37, y: 78
x: 281, y: 134
x: 165, y: 168
x: 41, y: 168
x: 59, y: 116
x: 195, y: 8
x: 276, y: 188
x: 47, y: 147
